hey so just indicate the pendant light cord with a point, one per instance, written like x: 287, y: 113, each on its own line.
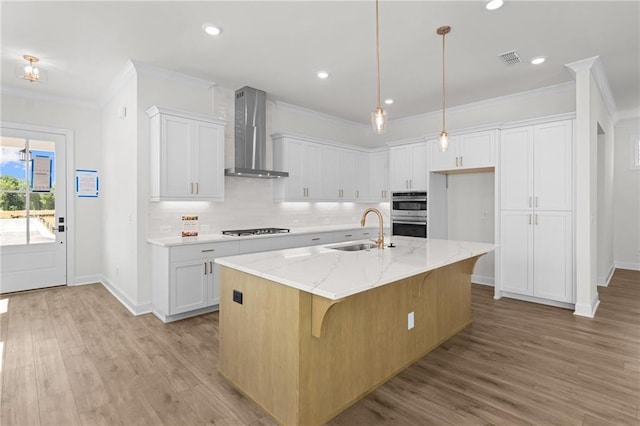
x: 378, y: 52
x: 443, y: 83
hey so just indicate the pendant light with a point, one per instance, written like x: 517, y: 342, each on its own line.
x: 378, y: 116
x: 443, y: 142
x: 31, y: 72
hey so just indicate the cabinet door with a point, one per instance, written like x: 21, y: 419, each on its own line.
x: 362, y: 178
x: 399, y: 168
x: 330, y: 160
x: 516, y: 247
x: 379, y: 175
x: 476, y: 150
x: 516, y: 168
x: 553, y: 166
x: 311, y: 166
x: 347, y: 167
x: 176, y: 153
x: 440, y: 161
x: 418, y: 157
x: 553, y: 256
x: 188, y: 286
x: 290, y: 158
x: 208, y: 161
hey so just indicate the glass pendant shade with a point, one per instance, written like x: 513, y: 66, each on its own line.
x: 379, y: 120
x: 443, y: 142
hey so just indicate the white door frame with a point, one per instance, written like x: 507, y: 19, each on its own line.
x: 70, y: 218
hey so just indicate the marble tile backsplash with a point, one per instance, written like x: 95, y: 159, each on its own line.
x: 249, y: 204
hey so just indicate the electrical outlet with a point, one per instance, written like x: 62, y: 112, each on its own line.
x: 410, y: 322
x: 237, y: 296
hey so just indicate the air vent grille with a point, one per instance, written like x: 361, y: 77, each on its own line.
x: 510, y: 58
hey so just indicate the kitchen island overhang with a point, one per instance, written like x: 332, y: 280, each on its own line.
x: 317, y: 328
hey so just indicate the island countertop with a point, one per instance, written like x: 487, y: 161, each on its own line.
x: 336, y: 274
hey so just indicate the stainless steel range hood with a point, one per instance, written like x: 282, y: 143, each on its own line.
x: 251, y: 136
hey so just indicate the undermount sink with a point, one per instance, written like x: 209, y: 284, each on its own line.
x: 355, y: 247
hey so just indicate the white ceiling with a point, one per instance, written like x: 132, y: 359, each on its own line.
x: 279, y: 46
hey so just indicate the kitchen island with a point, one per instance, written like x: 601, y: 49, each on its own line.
x: 307, y: 332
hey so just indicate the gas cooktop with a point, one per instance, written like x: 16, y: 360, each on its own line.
x: 256, y: 231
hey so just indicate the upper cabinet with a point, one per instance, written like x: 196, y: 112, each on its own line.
x: 187, y: 155
x: 378, y: 176
x: 408, y: 167
x: 536, y: 167
x: 322, y: 171
x: 466, y: 152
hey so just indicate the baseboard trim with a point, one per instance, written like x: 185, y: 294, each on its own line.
x: 604, y: 281
x: 171, y: 318
x: 135, y: 309
x: 587, y: 310
x: 538, y: 300
x: 88, y: 279
x: 627, y: 265
x: 478, y: 279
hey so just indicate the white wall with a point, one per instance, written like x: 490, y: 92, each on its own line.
x: 119, y: 183
x: 626, y: 199
x: 471, y: 207
x: 85, y: 122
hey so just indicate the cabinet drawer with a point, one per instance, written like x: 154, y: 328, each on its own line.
x: 265, y: 244
x: 204, y: 251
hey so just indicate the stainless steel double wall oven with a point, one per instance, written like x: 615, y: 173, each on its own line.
x: 409, y: 213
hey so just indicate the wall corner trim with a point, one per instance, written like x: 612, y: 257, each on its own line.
x: 135, y: 309
x: 587, y: 310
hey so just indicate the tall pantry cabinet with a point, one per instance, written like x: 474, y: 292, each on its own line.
x: 536, y: 213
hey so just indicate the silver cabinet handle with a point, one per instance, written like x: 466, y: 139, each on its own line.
x: 315, y: 239
x: 211, y: 266
x: 457, y: 161
x: 536, y: 219
x: 348, y: 235
x: 410, y: 183
x: 191, y: 188
x: 535, y: 203
x: 197, y: 189
x: 205, y: 268
x: 207, y: 250
x: 530, y: 219
x: 365, y: 233
x: 461, y: 165
x: 357, y: 193
x: 530, y: 202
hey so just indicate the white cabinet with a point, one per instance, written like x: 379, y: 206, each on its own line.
x: 378, y: 176
x: 536, y: 167
x: 536, y: 220
x: 467, y: 151
x: 302, y: 160
x: 362, y: 176
x: 185, y: 278
x: 537, y: 254
x: 187, y: 155
x: 408, y: 164
x: 338, y: 174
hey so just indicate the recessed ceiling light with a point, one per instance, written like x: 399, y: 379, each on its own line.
x: 538, y: 60
x: 388, y: 101
x: 212, y: 29
x: 323, y: 74
x: 494, y: 4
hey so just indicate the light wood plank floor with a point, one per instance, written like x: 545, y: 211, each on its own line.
x: 74, y: 355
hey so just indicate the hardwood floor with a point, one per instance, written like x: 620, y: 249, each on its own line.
x: 75, y: 355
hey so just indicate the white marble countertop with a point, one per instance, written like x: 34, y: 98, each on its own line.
x: 218, y: 237
x: 336, y: 274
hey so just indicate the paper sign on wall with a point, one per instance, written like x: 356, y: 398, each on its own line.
x: 87, y: 183
x: 190, y: 227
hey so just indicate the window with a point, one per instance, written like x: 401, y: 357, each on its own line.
x: 634, y: 152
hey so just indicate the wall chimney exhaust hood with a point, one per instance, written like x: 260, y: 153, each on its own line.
x: 251, y: 136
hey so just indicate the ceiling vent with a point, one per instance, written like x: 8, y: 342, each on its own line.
x: 510, y: 58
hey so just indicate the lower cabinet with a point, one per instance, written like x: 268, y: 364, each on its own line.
x: 185, y: 278
x: 537, y: 254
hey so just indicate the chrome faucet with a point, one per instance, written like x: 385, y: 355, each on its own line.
x: 380, y: 240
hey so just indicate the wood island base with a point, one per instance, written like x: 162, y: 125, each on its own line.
x: 304, y: 358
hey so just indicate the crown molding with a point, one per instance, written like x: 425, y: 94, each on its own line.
x: 44, y: 97
x: 473, y: 106
x: 155, y: 71
x: 283, y: 106
x: 594, y: 65
x: 305, y: 138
